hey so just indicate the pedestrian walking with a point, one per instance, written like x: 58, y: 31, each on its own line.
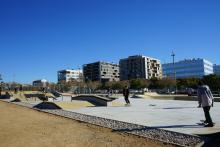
x: 206, y: 100
x: 126, y: 95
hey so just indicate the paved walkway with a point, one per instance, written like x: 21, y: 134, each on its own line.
x: 177, y: 116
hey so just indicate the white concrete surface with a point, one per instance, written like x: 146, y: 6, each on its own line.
x: 173, y: 115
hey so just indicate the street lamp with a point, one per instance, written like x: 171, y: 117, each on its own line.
x: 173, y: 55
x: 79, y: 80
x: 174, y: 70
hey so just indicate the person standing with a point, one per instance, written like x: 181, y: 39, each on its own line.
x: 15, y: 90
x: 126, y: 95
x: 206, y: 100
x: 21, y: 88
x: 0, y: 90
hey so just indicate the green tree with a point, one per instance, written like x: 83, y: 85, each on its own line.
x: 120, y: 84
x: 116, y: 85
x: 165, y: 83
x: 94, y: 85
x: 139, y: 83
x: 63, y: 86
x: 154, y: 83
x: 52, y: 86
x: 213, y: 81
x: 188, y: 83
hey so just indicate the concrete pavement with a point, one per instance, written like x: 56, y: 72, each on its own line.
x: 173, y: 115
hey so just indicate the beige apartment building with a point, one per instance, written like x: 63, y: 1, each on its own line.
x: 140, y: 66
x: 101, y: 71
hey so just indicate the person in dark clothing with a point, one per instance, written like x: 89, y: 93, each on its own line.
x: 15, y: 90
x: 0, y: 90
x: 21, y: 88
x: 206, y: 100
x: 126, y: 94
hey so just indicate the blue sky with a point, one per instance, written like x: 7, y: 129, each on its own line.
x: 40, y: 37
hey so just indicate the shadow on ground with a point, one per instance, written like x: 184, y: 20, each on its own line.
x: 159, y: 127
x: 212, y: 140
x: 93, y: 102
x: 16, y: 100
x: 47, y: 105
x: 5, y: 96
x: 178, y: 107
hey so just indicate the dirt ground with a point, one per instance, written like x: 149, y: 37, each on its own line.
x: 23, y: 127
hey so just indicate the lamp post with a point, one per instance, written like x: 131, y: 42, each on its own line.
x: 79, y: 80
x: 174, y: 70
x: 173, y: 55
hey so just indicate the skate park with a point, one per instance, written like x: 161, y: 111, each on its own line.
x: 174, y: 115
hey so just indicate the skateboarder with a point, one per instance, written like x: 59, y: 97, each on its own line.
x: 206, y: 100
x: 126, y: 95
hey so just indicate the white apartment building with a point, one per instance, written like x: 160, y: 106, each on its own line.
x: 67, y: 74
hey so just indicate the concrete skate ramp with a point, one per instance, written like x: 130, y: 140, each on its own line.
x: 74, y: 104
x: 95, y: 100
x: 56, y: 93
x: 41, y: 96
x: 47, y: 105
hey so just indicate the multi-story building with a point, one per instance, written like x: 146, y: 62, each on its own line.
x: 101, y: 71
x: 40, y: 83
x: 216, y: 69
x: 188, y: 68
x: 139, y: 66
x: 68, y: 74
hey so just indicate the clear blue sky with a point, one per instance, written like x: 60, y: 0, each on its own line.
x: 40, y: 37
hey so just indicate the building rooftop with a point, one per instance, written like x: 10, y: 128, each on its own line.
x: 68, y: 70
x: 41, y: 80
x: 137, y: 56
x: 190, y: 61
x: 112, y: 63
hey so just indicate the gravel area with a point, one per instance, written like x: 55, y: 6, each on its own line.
x: 124, y: 127
x: 152, y: 133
